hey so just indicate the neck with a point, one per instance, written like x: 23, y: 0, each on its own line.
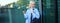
x: 31, y: 7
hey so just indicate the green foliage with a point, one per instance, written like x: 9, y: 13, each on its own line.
x: 22, y: 2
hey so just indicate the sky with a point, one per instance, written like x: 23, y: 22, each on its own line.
x: 5, y: 2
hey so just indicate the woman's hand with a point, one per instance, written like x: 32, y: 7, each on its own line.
x: 24, y: 12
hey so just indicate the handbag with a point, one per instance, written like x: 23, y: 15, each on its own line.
x: 35, y: 20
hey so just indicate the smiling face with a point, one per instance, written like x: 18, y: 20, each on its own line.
x: 32, y: 4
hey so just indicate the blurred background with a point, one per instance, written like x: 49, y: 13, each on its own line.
x: 11, y: 10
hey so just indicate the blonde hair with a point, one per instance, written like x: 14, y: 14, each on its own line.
x: 32, y: 2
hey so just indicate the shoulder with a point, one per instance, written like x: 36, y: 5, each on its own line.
x: 27, y: 10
